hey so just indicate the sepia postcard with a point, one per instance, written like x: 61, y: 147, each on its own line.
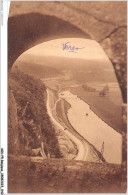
x: 63, y: 97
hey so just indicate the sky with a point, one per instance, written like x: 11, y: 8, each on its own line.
x: 75, y: 48
x: 75, y: 54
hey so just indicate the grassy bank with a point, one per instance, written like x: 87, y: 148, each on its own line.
x: 62, y: 110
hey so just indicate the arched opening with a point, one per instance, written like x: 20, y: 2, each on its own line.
x: 34, y: 28
x: 78, y: 68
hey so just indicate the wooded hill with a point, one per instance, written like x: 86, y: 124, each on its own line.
x: 32, y: 125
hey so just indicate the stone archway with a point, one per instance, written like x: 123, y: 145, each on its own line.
x: 34, y: 28
x: 26, y: 30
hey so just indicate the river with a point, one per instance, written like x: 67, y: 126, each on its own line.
x: 94, y: 129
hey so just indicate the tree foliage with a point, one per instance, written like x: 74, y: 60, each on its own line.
x: 104, y: 91
x: 34, y: 123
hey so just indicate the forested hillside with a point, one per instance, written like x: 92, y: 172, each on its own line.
x: 38, y: 70
x: 32, y: 126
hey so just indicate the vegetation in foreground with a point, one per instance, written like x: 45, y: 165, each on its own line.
x: 33, y: 124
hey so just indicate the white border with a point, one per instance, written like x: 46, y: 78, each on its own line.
x: 4, y: 145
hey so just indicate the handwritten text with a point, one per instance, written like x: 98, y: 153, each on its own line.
x: 69, y: 48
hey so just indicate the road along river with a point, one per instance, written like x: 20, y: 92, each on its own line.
x: 103, y: 137
x: 82, y: 153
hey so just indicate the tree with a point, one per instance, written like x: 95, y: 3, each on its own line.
x: 104, y: 91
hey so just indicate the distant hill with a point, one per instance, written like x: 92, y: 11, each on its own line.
x: 94, y: 76
x: 79, y: 69
x: 62, y: 63
x: 37, y: 70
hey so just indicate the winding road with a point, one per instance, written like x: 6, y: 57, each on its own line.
x: 83, y: 147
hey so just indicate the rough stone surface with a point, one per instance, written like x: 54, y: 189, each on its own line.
x: 62, y: 176
x: 124, y: 148
x: 13, y: 141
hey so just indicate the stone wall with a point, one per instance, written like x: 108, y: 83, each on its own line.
x: 35, y: 175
